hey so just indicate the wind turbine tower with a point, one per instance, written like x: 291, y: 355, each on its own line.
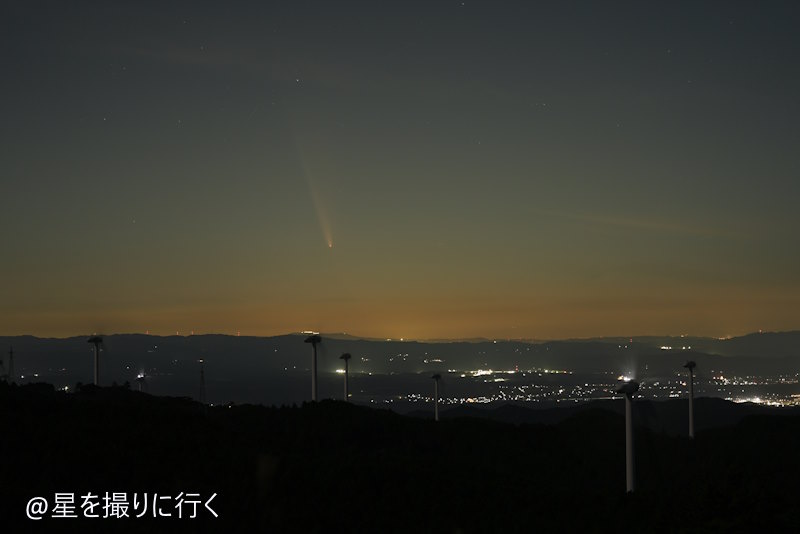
x: 628, y: 389
x: 346, y: 357
x: 10, y: 365
x: 314, y: 340
x: 436, y: 379
x: 690, y: 366
x: 96, y: 341
x: 202, y: 382
x: 140, y: 380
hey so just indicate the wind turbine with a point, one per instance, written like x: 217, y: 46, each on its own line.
x: 10, y: 365
x: 314, y: 340
x: 140, y: 377
x: 202, y: 382
x: 436, y: 378
x: 628, y: 388
x: 96, y: 341
x: 690, y: 365
x: 346, y: 357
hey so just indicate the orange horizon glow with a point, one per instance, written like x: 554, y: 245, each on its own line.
x: 531, y: 189
x: 443, y: 321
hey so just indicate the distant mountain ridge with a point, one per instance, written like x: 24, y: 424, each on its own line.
x: 274, y: 369
x: 415, y: 356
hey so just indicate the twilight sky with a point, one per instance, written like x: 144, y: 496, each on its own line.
x: 496, y: 169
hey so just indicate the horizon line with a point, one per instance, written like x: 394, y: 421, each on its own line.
x: 474, y: 339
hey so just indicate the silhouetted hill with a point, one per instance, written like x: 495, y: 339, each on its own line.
x: 335, y: 467
x: 667, y: 417
x: 755, y: 345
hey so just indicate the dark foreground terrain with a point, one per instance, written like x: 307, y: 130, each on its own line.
x: 334, y: 467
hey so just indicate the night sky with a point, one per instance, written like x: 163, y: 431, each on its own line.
x: 406, y: 169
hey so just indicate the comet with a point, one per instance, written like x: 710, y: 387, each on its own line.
x: 319, y: 205
x: 322, y: 214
